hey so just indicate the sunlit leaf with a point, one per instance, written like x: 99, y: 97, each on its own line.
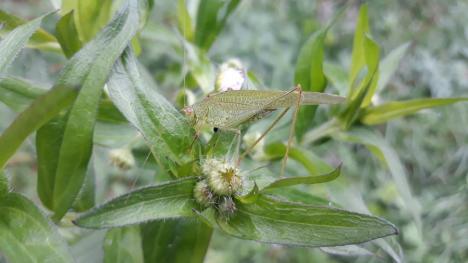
x: 273, y: 221
x: 41, y: 39
x: 177, y: 240
x: 164, y: 201
x: 67, y: 35
x: 358, y: 59
x: 91, y: 16
x: 395, y: 109
x: 123, y: 245
x: 26, y: 235
x: 298, y: 180
x: 184, y: 20
x: 362, y: 95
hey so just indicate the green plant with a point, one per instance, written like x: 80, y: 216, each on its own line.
x: 65, y: 117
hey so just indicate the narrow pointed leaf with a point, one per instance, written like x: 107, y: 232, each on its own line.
x: 358, y: 55
x: 389, y: 65
x: 67, y: 35
x: 211, y: 19
x: 76, y: 146
x: 41, y: 39
x: 272, y: 221
x: 395, y: 109
x: 14, y: 41
x: 179, y: 241
x: 310, y: 74
x: 298, y: 180
x: 18, y: 94
x: 26, y: 235
x: 123, y: 245
x: 167, y: 132
x: 184, y: 21
x: 164, y: 201
x: 88, y: 68
x: 378, y: 146
x: 367, y: 85
x: 91, y: 16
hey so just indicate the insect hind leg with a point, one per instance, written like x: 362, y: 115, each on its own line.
x: 297, y: 89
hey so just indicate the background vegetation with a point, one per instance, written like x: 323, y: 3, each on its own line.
x: 426, y: 198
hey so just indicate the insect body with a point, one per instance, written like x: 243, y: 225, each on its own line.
x: 229, y: 109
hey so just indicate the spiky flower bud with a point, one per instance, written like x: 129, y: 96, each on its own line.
x: 227, y: 207
x: 202, y: 194
x: 223, y: 178
x: 122, y: 158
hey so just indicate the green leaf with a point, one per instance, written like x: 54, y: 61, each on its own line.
x: 48, y: 141
x: 391, y: 110
x: 87, y: 195
x: 76, y: 146
x: 273, y: 221
x: 67, y: 35
x: 167, y: 132
x: 297, y: 180
x: 310, y: 74
x: 26, y: 235
x: 123, y: 245
x: 17, y: 93
x: 164, y: 201
x: 337, y: 76
x: 14, y: 41
x: 3, y: 184
x: 41, y: 39
x: 278, y: 150
x: 362, y: 95
x: 358, y: 56
x: 91, y: 16
x: 184, y: 21
x: 88, y: 69
x: 378, y: 146
x: 179, y: 241
x: 211, y: 19
x: 389, y: 65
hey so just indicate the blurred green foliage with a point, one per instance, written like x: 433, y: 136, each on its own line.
x: 427, y: 152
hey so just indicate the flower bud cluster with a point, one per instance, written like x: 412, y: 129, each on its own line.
x: 220, y: 182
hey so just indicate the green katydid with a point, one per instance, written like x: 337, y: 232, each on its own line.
x: 230, y: 109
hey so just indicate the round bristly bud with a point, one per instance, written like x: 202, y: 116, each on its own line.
x: 202, y: 194
x: 122, y: 158
x: 231, y: 76
x: 223, y: 178
x: 226, y: 207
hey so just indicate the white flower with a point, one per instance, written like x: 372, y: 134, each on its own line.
x: 203, y: 194
x: 231, y: 76
x: 122, y: 158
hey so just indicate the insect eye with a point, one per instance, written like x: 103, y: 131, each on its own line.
x: 188, y: 111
